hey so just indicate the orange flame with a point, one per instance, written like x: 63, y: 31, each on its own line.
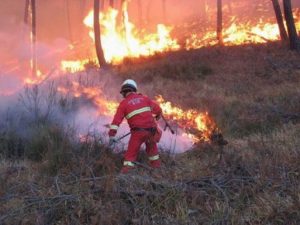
x: 35, y: 80
x: 120, y: 41
x: 104, y: 106
x: 190, y: 120
x: 198, y: 126
x: 240, y: 33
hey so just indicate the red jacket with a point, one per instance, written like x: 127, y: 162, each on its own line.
x: 138, y: 110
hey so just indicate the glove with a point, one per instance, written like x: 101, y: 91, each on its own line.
x: 157, y: 117
x: 112, y: 142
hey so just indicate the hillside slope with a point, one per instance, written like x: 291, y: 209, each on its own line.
x: 253, y: 93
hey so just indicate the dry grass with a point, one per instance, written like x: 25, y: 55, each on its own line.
x: 252, y: 92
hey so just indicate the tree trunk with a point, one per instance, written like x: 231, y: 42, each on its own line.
x: 81, y: 18
x: 111, y: 3
x: 279, y: 18
x: 229, y: 5
x: 67, y: 5
x: 164, y: 11
x: 202, y: 9
x: 140, y: 12
x: 219, y: 22
x: 33, y: 40
x: 124, y: 8
x: 148, y: 11
x: 82, y: 6
x: 101, y: 5
x: 26, y: 13
x: 97, y: 33
x: 288, y: 14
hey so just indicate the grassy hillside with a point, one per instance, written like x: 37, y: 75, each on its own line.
x: 253, y: 93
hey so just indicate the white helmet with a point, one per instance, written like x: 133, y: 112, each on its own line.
x: 128, y: 85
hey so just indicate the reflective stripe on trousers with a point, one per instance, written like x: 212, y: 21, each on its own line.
x: 128, y: 163
x: 155, y: 157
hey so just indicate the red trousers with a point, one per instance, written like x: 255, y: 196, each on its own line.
x: 136, y: 140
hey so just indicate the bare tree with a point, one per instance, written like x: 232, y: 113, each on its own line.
x: 30, y: 20
x: 149, y: 4
x: 101, y: 5
x: 203, y: 9
x: 26, y: 13
x: 97, y: 33
x: 219, y: 22
x: 229, y: 6
x: 288, y: 14
x: 279, y: 18
x: 164, y: 11
x: 124, y: 7
x: 82, y: 7
x: 111, y: 3
x: 33, y: 37
x: 140, y: 12
x: 67, y: 6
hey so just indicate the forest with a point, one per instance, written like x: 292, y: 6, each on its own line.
x: 225, y: 74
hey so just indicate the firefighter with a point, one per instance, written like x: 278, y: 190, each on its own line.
x: 141, y: 114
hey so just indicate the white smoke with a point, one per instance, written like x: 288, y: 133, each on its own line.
x: 88, y: 122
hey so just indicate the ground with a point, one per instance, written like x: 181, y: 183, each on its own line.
x: 252, y: 92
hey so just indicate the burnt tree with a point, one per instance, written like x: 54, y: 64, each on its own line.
x: 81, y: 17
x: 111, y: 3
x: 30, y: 12
x: 229, y: 6
x: 26, y: 13
x: 33, y: 31
x: 279, y: 18
x: 290, y: 23
x: 149, y: 5
x: 101, y: 4
x: 204, y: 8
x: 30, y: 20
x: 219, y: 22
x: 67, y: 6
x: 97, y: 35
x: 124, y: 8
x: 140, y: 12
x: 164, y: 10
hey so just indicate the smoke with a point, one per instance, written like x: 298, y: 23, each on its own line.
x: 44, y: 104
x: 9, y: 84
x: 88, y: 121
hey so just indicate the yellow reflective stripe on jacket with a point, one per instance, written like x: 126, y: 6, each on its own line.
x: 128, y: 163
x: 114, y: 127
x: 155, y: 157
x: 138, y: 111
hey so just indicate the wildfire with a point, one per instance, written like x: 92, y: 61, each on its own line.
x: 73, y: 66
x: 197, y: 126
x: 120, y: 41
x: 35, y: 80
x: 94, y: 94
x: 238, y: 33
x: 123, y: 39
